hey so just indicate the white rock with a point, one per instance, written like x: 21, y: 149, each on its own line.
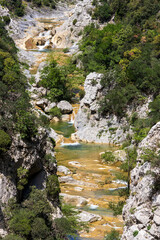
x: 49, y: 107
x: 64, y: 170
x: 75, y: 164
x: 74, y: 200
x: 88, y: 217
x: 65, y: 107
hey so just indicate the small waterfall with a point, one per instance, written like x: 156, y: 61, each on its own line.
x: 47, y: 43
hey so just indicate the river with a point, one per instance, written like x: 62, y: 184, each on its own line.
x: 90, y: 177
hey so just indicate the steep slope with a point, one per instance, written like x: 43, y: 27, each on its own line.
x: 142, y: 210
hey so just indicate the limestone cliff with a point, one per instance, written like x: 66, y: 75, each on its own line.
x: 142, y: 211
x: 91, y: 126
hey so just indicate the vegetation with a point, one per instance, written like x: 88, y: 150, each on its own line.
x: 52, y: 187
x: 152, y: 157
x: 15, y: 6
x: 108, y: 157
x: 31, y: 220
x: 15, y: 108
x: 22, y: 174
x: 116, y: 207
x: 5, y: 141
x: 54, y: 79
x: 55, y: 112
x: 127, y: 53
x: 113, y: 235
x: 40, y: 3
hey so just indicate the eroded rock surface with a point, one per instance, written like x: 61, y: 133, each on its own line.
x: 142, y: 210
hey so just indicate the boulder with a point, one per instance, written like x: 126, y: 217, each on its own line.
x: 74, y: 200
x: 64, y: 170
x: 49, y: 107
x: 65, y: 107
x: 42, y: 103
x: 31, y: 44
x: 75, y: 164
x: 120, y: 155
x: 88, y: 217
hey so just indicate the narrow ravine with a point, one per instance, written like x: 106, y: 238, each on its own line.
x: 86, y: 182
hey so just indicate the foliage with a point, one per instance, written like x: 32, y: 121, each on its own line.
x: 152, y: 157
x: 5, y: 141
x: 52, y: 186
x: 23, y: 217
x: 22, y: 174
x: 55, y: 80
x: 113, y: 235
x: 155, y: 110
x: 40, y: 3
x: 15, y: 6
x: 102, y: 12
x: 55, y: 112
x: 108, y: 157
x: 15, y: 107
x: 31, y: 220
x: 69, y: 224
x: 135, y: 233
x: 128, y: 53
x: 116, y: 207
x: 81, y: 94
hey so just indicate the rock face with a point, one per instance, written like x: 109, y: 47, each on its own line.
x: 29, y: 155
x: 91, y: 127
x: 142, y: 210
x: 68, y: 35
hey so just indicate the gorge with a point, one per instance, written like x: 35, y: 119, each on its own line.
x: 82, y: 136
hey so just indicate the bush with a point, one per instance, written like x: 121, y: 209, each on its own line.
x: 55, y: 112
x: 52, y: 186
x: 117, y: 208
x: 74, y: 21
x: 81, y: 94
x: 102, y: 12
x: 108, y: 157
x: 152, y: 157
x: 113, y: 235
x: 54, y: 79
x: 13, y: 237
x: 22, y: 174
x: 39, y: 229
x: 5, y: 141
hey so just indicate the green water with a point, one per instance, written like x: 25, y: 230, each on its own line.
x: 63, y: 128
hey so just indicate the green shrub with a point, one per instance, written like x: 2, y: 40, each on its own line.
x: 152, y: 157
x: 135, y: 233
x: 66, y: 50
x: 22, y: 174
x: 116, y: 207
x: 54, y: 79
x: 26, y: 125
x: 52, y: 186
x: 39, y: 229
x: 55, y: 112
x: 5, y: 141
x: 81, y: 94
x: 13, y: 237
x: 6, y: 19
x: 108, y: 157
x: 74, y: 21
x: 113, y: 235
x: 102, y: 12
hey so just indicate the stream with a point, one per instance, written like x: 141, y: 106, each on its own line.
x: 92, y: 180
x: 89, y: 177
